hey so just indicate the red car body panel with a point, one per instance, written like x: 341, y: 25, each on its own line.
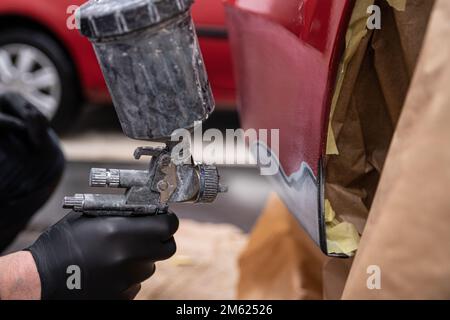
x: 286, y: 55
x: 54, y: 14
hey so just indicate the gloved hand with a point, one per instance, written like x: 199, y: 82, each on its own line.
x: 114, y: 254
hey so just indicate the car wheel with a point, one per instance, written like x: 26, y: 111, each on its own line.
x: 34, y: 65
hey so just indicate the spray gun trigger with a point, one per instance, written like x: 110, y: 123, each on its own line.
x: 148, y: 151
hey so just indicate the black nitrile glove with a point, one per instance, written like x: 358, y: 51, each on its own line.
x: 114, y: 254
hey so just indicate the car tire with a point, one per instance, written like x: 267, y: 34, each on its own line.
x: 69, y: 105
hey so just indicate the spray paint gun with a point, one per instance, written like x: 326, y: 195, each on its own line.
x: 151, y: 61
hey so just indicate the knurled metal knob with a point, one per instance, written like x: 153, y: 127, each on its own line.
x: 209, y: 183
x: 75, y: 203
x: 104, y: 178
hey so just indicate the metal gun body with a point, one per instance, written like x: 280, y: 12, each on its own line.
x: 148, y: 192
x: 152, y: 64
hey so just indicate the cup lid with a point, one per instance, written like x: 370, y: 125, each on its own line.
x: 109, y: 18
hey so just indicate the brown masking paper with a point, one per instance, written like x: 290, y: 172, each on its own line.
x: 366, y: 111
x: 407, y: 234
x: 368, y: 106
x: 280, y: 260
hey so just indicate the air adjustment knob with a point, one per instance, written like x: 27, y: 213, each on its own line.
x: 209, y: 184
x: 104, y: 178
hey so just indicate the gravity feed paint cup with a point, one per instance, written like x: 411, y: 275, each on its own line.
x: 149, y: 54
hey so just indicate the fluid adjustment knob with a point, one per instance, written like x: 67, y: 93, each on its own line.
x: 104, y: 178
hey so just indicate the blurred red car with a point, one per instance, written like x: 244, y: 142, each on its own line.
x: 44, y: 58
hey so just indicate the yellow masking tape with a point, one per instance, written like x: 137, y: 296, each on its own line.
x: 342, y: 237
x: 399, y: 5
